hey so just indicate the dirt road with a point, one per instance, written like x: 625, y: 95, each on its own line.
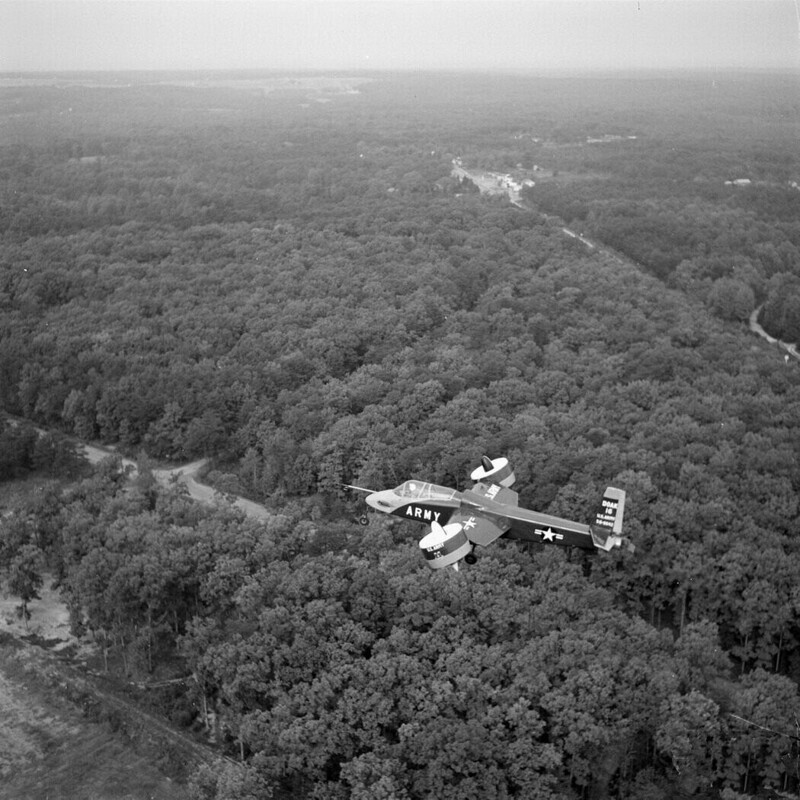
x: 187, y: 476
x: 791, y: 349
x: 580, y: 237
x: 96, y: 454
x: 206, y: 494
x: 490, y: 183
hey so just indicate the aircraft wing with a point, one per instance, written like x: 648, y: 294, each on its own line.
x: 481, y: 528
x: 492, y: 491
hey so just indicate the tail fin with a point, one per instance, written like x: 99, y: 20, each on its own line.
x: 607, y: 525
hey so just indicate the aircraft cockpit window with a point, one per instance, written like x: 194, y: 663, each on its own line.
x: 417, y: 490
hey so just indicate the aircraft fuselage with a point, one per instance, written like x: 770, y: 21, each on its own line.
x: 427, y: 503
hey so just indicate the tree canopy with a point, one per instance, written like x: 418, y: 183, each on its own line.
x: 302, y: 292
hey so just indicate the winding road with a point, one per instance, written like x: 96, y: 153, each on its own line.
x: 791, y: 349
x: 186, y: 475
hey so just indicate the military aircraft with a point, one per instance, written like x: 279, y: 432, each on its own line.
x: 461, y: 521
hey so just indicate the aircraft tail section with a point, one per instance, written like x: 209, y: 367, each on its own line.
x: 607, y: 525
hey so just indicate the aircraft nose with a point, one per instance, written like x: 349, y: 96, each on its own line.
x: 381, y: 501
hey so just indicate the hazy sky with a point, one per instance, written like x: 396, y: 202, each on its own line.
x: 398, y: 34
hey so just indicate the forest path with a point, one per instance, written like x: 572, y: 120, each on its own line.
x: 791, y: 349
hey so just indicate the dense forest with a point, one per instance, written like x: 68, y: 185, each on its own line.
x: 282, y: 275
x: 715, y: 213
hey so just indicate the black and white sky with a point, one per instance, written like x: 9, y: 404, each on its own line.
x: 482, y: 35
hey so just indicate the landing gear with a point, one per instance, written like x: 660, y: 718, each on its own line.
x: 471, y: 558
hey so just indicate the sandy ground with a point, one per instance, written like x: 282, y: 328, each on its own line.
x: 48, y: 749
x: 49, y: 617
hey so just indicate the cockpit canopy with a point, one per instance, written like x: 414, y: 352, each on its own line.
x: 417, y: 490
